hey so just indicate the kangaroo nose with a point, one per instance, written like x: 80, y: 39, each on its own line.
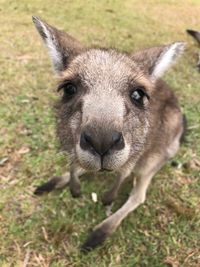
x: 101, y: 143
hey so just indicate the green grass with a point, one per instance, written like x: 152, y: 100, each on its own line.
x: 47, y: 231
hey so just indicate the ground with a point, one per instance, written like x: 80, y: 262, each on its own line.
x: 47, y: 231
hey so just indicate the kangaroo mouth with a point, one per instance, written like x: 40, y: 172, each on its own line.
x: 105, y: 169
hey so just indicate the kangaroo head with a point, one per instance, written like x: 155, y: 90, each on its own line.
x: 104, y: 114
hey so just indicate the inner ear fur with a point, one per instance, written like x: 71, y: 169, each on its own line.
x: 156, y: 60
x: 61, y: 46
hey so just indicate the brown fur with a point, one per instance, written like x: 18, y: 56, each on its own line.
x: 103, y: 107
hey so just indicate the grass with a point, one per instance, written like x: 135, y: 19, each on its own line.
x: 47, y: 231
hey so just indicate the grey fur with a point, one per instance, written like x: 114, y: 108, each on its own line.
x: 105, y: 79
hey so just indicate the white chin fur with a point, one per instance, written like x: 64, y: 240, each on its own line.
x: 87, y: 160
x: 112, y: 162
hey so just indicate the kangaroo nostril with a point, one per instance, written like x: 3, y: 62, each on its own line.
x: 87, y: 138
x: 116, y: 137
x: 117, y: 140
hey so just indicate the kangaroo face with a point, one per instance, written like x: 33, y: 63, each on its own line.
x: 108, y: 109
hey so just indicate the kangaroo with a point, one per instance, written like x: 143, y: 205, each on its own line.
x: 196, y: 36
x: 115, y: 114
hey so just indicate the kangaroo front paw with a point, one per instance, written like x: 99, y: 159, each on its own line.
x: 75, y: 191
x: 108, y: 198
x: 48, y: 186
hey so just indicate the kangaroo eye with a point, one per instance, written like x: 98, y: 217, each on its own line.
x: 138, y: 95
x: 69, y: 88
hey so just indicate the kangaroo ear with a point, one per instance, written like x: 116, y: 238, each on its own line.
x: 194, y: 34
x: 61, y: 46
x: 156, y: 60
